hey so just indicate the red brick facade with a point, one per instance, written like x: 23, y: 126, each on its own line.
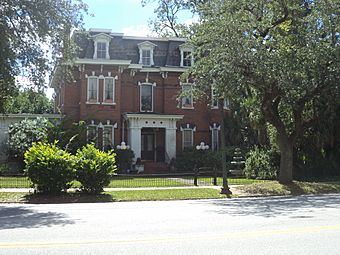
x: 72, y: 100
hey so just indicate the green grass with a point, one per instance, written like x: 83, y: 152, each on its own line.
x: 14, y: 182
x: 131, y: 195
x: 12, y: 197
x: 231, y: 181
x: 171, y: 194
x: 130, y: 182
x: 270, y: 188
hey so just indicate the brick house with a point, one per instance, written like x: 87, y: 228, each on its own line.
x: 127, y: 89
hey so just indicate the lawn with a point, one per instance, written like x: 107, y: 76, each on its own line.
x: 231, y: 181
x: 130, y: 195
x: 14, y: 182
x: 270, y: 188
x: 138, y: 182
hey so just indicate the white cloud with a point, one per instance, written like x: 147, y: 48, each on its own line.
x: 137, y: 30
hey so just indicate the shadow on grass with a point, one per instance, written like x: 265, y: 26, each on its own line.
x: 67, y: 198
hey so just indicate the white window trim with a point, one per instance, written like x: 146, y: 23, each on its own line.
x: 146, y: 46
x: 112, y: 135
x: 101, y: 38
x: 88, y: 89
x: 113, y: 92
x: 186, y: 48
x: 192, y: 96
x: 218, y: 128
x: 192, y: 135
x: 213, y: 97
x: 152, y: 95
x: 87, y: 133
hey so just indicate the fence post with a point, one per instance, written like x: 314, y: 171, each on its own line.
x: 215, y: 176
x: 195, y: 176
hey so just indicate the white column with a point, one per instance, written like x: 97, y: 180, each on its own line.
x: 170, y: 142
x: 135, y: 141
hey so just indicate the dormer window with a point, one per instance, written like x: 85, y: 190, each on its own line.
x: 187, y: 59
x: 101, y: 46
x: 101, y: 50
x: 146, y: 50
x: 146, y: 57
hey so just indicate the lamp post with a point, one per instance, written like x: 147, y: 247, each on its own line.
x: 122, y: 155
x: 123, y: 146
x: 225, y: 188
x: 201, y: 147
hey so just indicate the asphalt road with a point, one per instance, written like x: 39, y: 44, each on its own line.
x: 292, y: 225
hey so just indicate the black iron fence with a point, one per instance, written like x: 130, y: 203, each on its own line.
x: 197, y: 178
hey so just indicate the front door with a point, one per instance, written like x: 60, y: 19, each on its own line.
x: 148, y: 146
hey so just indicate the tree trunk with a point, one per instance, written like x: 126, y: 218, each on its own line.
x: 286, y: 161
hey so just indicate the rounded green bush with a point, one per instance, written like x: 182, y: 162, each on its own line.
x: 94, y: 168
x: 258, y: 165
x: 49, y: 168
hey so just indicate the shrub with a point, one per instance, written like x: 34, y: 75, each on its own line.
x: 4, y: 169
x: 24, y: 133
x: 191, y: 158
x: 49, y: 168
x: 259, y: 165
x: 94, y: 168
x: 124, y: 159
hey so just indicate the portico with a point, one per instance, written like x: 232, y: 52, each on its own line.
x: 142, y: 129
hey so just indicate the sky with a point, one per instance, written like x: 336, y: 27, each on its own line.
x: 123, y: 16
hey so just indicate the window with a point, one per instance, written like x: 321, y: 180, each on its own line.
x: 214, y: 100
x: 146, y: 57
x: 107, y: 138
x: 109, y: 90
x: 187, y: 58
x: 92, y: 89
x: 146, y: 50
x: 92, y: 134
x: 101, y: 50
x: 188, y: 137
x: 214, y: 139
x: 101, y: 45
x: 146, y: 97
x: 187, y: 98
x: 186, y: 51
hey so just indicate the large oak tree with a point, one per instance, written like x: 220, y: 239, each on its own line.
x: 281, y: 59
x: 33, y: 34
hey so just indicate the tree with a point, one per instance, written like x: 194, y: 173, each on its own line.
x: 166, y: 23
x: 29, y: 101
x: 33, y: 35
x: 26, y: 132
x: 278, y: 59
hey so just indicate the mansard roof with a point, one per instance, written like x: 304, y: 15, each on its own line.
x: 166, y: 50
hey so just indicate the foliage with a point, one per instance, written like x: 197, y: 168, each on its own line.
x: 29, y: 101
x: 259, y: 165
x: 94, y: 168
x: 4, y: 169
x: 25, y: 132
x: 34, y: 34
x: 195, y: 158
x: 312, y: 162
x: 166, y: 23
x: 70, y: 137
x: 49, y: 168
x: 279, y: 60
x: 124, y: 159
